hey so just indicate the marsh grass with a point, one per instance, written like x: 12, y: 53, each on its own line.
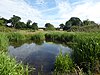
x: 13, y: 36
x: 8, y: 66
x: 3, y: 42
x: 38, y: 37
x: 63, y: 63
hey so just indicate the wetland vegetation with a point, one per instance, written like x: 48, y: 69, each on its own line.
x: 84, y: 41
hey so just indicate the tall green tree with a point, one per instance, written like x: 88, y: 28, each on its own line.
x: 28, y: 23
x: 34, y: 26
x: 5, y: 21
x: 49, y: 26
x: 73, y: 21
x: 62, y: 26
x: 20, y: 25
x: 1, y: 22
x: 14, y: 20
x: 88, y: 22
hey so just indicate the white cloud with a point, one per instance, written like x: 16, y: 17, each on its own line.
x: 20, y: 8
x: 84, y: 9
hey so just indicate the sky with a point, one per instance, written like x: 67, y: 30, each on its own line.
x: 51, y: 11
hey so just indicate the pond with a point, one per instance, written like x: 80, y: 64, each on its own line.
x: 41, y: 56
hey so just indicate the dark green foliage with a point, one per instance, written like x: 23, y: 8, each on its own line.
x: 62, y: 26
x: 34, y: 26
x: 14, y: 20
x: 87, y: 22
x: 85, y: 28
x: 86, y: 53
x: 20, y: 25
x: 74, y: 21
x: 28, y: 24
x: 1, y: 22
x: 49, y: 26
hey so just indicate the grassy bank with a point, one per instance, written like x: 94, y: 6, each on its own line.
x: 8, y: 65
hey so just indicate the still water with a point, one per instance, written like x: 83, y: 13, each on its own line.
x: 42, y: 56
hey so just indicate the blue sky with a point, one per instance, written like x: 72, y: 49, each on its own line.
x: 53, y: 11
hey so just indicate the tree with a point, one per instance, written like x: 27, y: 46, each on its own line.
x: 28, y: 24
x: 5, y: 21
x: 62, y: 26
x: 1, y: 22
x: 49, y: 26
x: 20, y: 25
x: 87, y: 22
x: 73, y: 21
x: 14, y: 20
x: 34, y: 26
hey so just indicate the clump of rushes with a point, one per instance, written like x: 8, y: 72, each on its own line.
x: 38, y: 37
x: 8, y: 66
x: 3, y: 42
x: 63, y: 63
x: 86, y: 54
x: 15, y: 36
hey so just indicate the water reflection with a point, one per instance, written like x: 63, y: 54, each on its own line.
x: 41, y: 56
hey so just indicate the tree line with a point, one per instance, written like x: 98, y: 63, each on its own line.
x: 15, y: 22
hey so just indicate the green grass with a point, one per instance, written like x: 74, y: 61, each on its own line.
x: 38, y: 37
x: 63, y: 63
x: 3, y: 42
x: 8, y: 66
x: 13, y: 36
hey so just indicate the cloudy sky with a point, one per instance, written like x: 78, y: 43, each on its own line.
x: 53, y: 11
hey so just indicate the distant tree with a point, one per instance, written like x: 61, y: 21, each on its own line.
x: 1, y: 22
x: 73, y: 21
x: 28, y: 24
x: 5, y: 21
x: 34, y: 26
x: 62, y: 26
x: 20, y: 25
x: 88, y: 22
x: 14, y: 20
x: 49, y: 26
